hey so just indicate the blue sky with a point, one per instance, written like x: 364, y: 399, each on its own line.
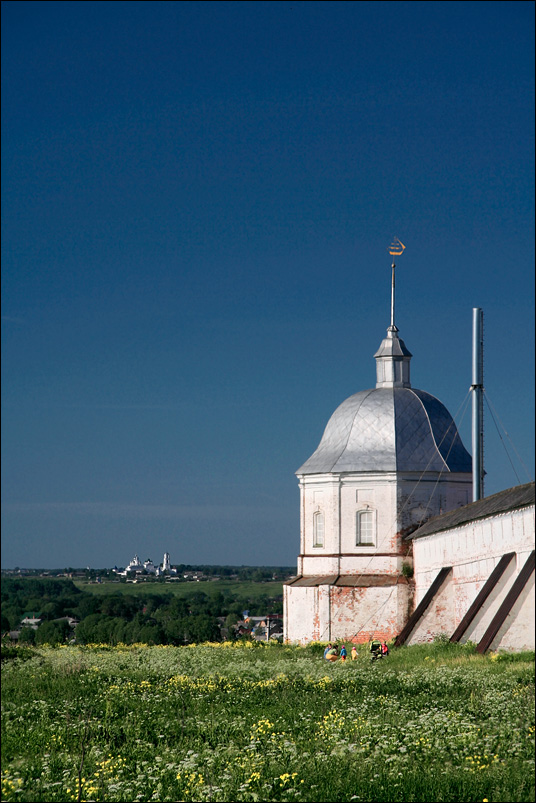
x: 198, y: 199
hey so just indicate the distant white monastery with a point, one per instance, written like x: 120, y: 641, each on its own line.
x: 137, y: 567
x: 390, y: 547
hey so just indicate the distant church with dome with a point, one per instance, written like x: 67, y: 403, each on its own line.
x: 390, y: 464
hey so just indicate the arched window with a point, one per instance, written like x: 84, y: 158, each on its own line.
x: 318, y: 529
x: 364, y: 535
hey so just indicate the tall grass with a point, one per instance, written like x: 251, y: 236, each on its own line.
x: 266, y: 722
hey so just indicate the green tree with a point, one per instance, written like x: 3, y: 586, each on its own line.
x: 51, y: 610
x: 202, y: 628
x: 53, y: 632
x: 230, y: 622
x: 198, y: 602
x: 216, y: 603
x: 151, y: 634
x: 27, y: 635
x: 87, y: 606
x: 123, y: 605
x: 13, y: 614
x: 94, y: 629
x: 155, y: 602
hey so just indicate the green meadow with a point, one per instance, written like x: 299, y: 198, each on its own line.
x: 246, y: 721
x: 243, y: 588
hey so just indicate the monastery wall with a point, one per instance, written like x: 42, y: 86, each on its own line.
x: 473, y: 550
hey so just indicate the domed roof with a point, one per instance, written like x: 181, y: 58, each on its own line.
x: 389, y: 429
x: 392, y: 427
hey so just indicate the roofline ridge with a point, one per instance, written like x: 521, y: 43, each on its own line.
x: 431, y: 431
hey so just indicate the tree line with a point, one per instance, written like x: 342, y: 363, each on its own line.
x: 154, y: 615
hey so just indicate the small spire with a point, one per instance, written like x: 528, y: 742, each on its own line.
x: 392, y: 327
x: 392, y: 358
x: 395, y: 249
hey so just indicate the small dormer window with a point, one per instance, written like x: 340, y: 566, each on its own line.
x: 318, y: 529
x: 365, y: 535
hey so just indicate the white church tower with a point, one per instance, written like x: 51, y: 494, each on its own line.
x: 390, y: 458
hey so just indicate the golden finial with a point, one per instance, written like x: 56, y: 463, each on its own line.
x: 396, y: 247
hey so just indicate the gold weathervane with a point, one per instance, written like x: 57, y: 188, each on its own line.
x: 396, y: 247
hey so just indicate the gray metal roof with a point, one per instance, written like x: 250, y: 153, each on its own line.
x: 389, y: 429
x: 511, y: 499
x: 347, y: 580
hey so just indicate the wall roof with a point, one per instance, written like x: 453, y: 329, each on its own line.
x: 347, y: 580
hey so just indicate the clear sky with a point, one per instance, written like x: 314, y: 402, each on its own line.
x: 198, y: 199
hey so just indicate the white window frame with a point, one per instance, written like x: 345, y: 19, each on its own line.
x: 358, y: 527
x: 319, y: 533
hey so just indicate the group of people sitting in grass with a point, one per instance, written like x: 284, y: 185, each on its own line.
x: 378, y: 649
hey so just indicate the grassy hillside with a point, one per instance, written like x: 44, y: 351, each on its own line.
x: 246, y: 722
x: 243, y: 588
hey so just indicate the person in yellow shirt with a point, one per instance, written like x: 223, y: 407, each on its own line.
x: 332, y: 654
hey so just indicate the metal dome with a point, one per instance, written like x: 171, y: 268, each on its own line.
x: 389, y: 429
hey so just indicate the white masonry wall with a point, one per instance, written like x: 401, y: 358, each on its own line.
x: 473, y: 550
x: 339, y: 498
x: 398, y: 502
x: 329, y: 613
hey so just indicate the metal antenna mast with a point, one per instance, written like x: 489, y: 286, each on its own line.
x: 478, y: 405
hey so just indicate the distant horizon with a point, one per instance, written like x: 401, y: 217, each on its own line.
x: 110, y: 568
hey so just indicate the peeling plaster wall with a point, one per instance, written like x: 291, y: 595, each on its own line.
x: 326, y: 613
x: 473, y: 550
x: 361, y: 614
